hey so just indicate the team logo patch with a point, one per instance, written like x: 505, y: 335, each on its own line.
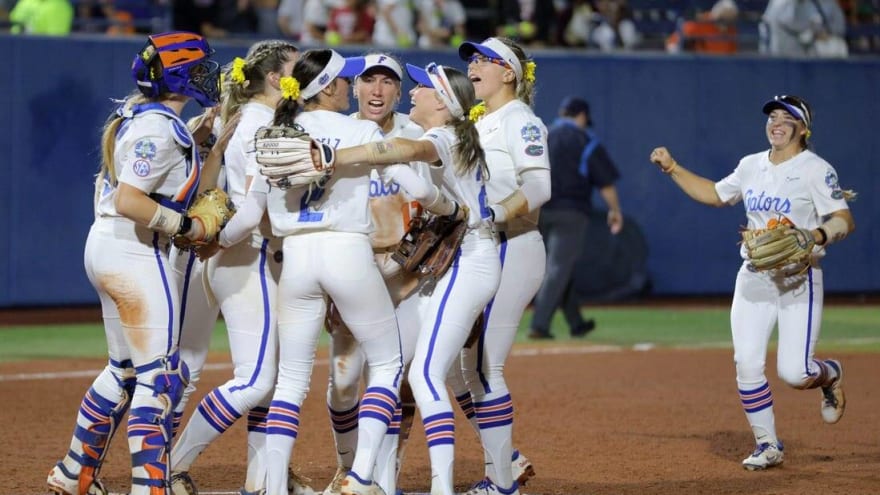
x: 534, y: 150
x: 141, y: 168
x: 831, y: 182
x: 145, y: 149
x: 530, y: 133
x: 324, y: 79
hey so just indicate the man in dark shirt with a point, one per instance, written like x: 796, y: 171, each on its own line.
x: 578, y: 163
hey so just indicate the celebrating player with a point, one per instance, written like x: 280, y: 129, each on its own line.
x: 328, y: 254
x: 790, y: 184
x: 515, y: 141
x: 377, y: 91
x: 243, y: 278
x: 441, y: 103
x: 149, y: 175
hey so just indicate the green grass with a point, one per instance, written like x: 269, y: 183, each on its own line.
x: 845, y: 328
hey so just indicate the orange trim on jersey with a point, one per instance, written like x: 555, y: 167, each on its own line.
x: 192, y: 182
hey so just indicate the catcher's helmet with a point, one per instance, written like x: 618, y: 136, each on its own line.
x: 178, y: 62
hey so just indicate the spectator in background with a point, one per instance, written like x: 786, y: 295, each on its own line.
x: 395, y: 25
x: 45, y: 17
x: 613, y: 27
x: 316, y: 14
x: 578, y: 163
x: 351, y: 23
x: 528, y: 20
x: 440, y: 23
x: 266, y: 12
x: 798, y: 28
x: 710, y: 32
x: 198, y: 16
x: 290, y: 18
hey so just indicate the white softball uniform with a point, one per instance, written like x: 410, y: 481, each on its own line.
x: 243, y: 279
x: 327, y: 252
x: 456, y: 301
x: 128, y: 265
x: 198, y: 307
x: 803, y: 189
x: 391, y: 211
x: 515, y: 142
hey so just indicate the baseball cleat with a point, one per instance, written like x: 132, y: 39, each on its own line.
x: 63, y: 482
x: 182, y: 484
x: 351, y: 485
x: 521, y: 468
x: 486, y: 487
x: 765, y: 456
x: 833, y: 400
x: 298, y: 485
x: 335, y: 486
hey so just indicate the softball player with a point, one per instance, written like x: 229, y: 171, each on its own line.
x: 515, y: 141
x: 451, y: 145
x: 149, y: 174
x: 243, y: 279
x: 198, y: 308
x: 791, y: 183
x: 377, y: 90
x: 328, y: 253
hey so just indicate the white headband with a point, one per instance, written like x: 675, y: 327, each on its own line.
x: 433, y: 76
x: 443, y: 87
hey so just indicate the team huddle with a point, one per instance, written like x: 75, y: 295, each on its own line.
x: 314, y: 245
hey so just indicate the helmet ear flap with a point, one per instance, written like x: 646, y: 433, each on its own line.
x: 147, y: 70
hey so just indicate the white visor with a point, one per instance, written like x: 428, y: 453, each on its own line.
x: 338, y: 66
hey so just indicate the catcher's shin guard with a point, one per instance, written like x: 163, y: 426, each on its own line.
x: 97, y: 421
x: 96, y: 438
x: 151, y: 423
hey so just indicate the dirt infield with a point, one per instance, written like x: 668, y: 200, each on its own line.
x: 617, y: 423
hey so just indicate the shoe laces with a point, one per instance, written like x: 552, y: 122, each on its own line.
x: 480, y: 487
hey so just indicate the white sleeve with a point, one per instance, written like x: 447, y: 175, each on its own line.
x: 245, y: 219
x: 414, y: 184
x: 536, y: 186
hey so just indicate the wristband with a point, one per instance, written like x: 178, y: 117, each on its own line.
x: 824, y: 236
x: 186, y: 224
x: 165, y: 220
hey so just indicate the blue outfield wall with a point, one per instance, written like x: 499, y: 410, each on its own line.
x: 56, y: 95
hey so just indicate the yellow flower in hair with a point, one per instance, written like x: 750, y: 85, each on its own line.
x: 530, y: 71
x: 237, y: 72
x: 289, y: 88
x: 477, y: 111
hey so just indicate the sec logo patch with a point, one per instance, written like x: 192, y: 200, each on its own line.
x: 141, y: 168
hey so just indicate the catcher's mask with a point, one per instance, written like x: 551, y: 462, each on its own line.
x: 178, y: 62
x: 797, y: 107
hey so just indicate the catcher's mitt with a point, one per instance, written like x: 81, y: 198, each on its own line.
x: 288, y: 157
x: 430, y: 244
x: 213, y: 209
x: 778, y: 246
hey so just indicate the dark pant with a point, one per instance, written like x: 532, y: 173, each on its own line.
x: 563, y: 232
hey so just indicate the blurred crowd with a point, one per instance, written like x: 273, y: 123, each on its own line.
x: 821, y: 28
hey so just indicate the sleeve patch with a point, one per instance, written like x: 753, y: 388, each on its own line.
x: 145, y: 149
x: 534, y: 150
x: 530, y: 133
x: 141, y: 168
x: 831, y: 182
